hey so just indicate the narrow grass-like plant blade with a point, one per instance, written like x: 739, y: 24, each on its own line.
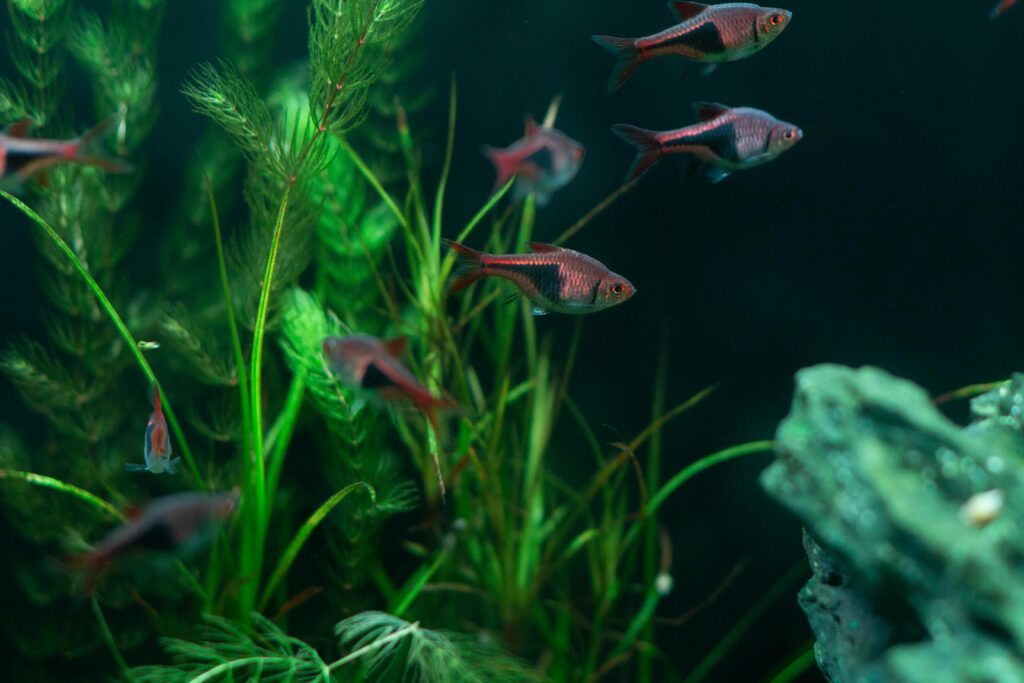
x: 288, y: 556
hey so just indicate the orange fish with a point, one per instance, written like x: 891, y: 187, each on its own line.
x: 552, y: 278
x: 157, y: 446
x: 1002, y: 7
x: 372, y: 364
x: 181, y: 522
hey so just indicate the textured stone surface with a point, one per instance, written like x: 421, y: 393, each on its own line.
x: 910, y: 582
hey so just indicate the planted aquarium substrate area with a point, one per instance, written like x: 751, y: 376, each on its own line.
x: 422, y: 340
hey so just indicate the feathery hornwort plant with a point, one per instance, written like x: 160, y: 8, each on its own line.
x: 336, y: 235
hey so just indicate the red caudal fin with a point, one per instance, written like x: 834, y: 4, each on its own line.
x: 648, y: 148
x: 470, y: 266
x: 504, y: 165
x: 628, y: 57
x: 76, y: 149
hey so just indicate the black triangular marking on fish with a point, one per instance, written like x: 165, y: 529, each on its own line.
x: 542, y: 278
x: 594, y: 291
x: 157, y: 536
x: 373, y: 378
x: 706, y: 38
x: 543, y: 158
x: 17, y: 160
x: 719, y: 140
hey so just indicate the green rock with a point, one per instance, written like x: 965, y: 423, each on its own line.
x: 914, y: 527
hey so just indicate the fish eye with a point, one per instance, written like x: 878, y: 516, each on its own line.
x: 776, y: 19
x: 617, y: 288
x: 789, y: 135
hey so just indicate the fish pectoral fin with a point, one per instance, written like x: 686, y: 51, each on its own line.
x: 717, y: 175
x: 172, y: 466
x: 135, y: 467
x: 709, y: 69
x: 537, y: 310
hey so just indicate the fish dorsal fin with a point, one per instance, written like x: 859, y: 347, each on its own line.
x: 20, y: 128
x: 530, y: 125
x: 542, y: 247
x: 686, y: 10
x: 396, y: 347
x: 706, y: 111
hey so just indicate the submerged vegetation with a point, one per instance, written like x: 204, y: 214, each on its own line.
x: 338, y: 232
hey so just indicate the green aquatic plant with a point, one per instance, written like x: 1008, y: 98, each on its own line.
x: 333, y: 234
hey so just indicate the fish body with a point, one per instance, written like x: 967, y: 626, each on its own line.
x: 22, y: 158
x: 1002, y: 7
x: 157, y: 443
x: 371, y: 364
x: 707, y: 33
x: 180, y: 522
x: 726, y: 139
x: 552, y: 278
x: 543, y: 161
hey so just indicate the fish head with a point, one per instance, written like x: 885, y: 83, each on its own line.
x: 783, y: 136
x: 224, y: 504
x: 348, y: 357
x: 614, y: 289
x: 772, y: 21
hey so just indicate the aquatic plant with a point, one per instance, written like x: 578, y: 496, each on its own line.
x: 233, y: 331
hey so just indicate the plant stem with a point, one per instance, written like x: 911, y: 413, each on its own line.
x: 377, y: 644
x: 108, y: 637
x: 133, y: 345
x: 255, y: 532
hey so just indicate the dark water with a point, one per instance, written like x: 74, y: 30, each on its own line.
x: 891, y: 235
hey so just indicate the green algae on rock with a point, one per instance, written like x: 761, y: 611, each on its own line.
x: 915, y: 527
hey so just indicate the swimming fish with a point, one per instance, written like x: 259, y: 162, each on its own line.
x: 552, y: 278
x: 181, y: 522
x: 157, y: 447
x: 543, y: 160
x: 708, y: 33
x: 372, y: 364
x: 1002, y: 7
x: 22, y: 158
x: 726, y: 139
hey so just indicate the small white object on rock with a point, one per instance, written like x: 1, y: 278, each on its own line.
x: 982, y: 508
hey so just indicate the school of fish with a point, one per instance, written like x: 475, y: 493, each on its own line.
x: 552, y: 278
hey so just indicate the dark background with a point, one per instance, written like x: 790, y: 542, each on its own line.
x: 891, y: 235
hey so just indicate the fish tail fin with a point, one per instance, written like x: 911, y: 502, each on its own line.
x: 75, y: 149
x: 628, y: 57
x: 90, y: 566
x: 648, y: 145
x: 470, y: 266
x: 504, y: 166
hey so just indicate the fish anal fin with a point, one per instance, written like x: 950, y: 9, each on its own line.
x: 20, y: 128
x: 538, y: 311
x: 716, y: 174
x: 543, y: 247
x: 706, y: 111
x: 686, y: 10
x: 396, y: 347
